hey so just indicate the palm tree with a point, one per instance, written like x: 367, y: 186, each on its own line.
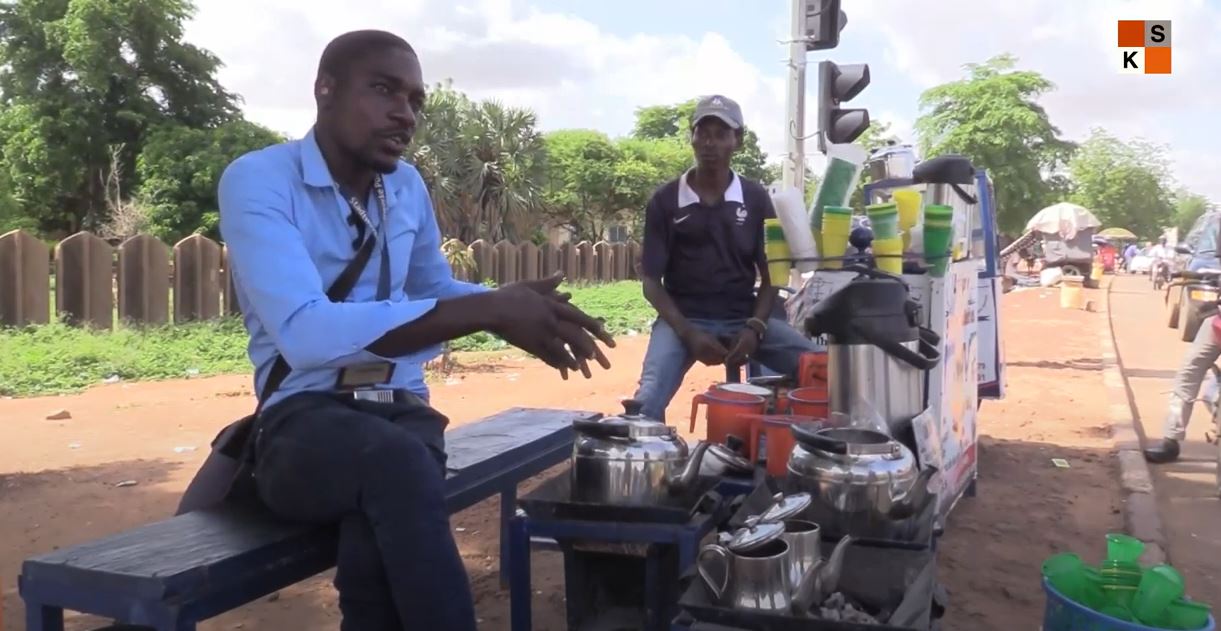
x: 484, y: 164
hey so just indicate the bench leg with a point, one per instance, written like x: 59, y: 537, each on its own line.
x: 508, y: 508
x: 520, y: 593
x: 40, y: 617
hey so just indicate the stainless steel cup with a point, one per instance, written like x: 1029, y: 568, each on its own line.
x: 752, y: 579
x: 802, y: 538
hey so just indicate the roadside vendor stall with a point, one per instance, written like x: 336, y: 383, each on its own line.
x: 812, y: 501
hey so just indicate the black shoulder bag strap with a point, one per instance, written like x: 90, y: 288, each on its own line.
x: 338, y: 291
x: 232, y: 439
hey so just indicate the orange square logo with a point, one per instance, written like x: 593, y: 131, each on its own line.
x: 1157, y: 61
x: 1143, y: 46
x: 1131, y: 33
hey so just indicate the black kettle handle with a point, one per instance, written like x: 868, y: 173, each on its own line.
x: 928, y: 356
x: 806, y: 434
x: 600, y: 429
x: 875, y: 273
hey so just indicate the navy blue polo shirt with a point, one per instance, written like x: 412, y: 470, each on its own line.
x: 707, y: 257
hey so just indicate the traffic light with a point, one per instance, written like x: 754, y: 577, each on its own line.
x: 837, y: 84
x: 822, y: 24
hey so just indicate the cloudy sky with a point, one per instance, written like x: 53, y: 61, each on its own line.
x: 589, y: 63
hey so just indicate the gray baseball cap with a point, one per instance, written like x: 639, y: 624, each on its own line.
x: 719, y: 106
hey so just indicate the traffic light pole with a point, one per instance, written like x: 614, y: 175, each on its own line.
x: 793, y: 173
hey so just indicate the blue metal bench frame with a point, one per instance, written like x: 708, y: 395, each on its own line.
x: 175, y: 573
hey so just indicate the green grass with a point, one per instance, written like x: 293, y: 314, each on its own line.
x: 57, y: 358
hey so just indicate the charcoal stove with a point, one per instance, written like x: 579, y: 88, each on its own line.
x: 622, y: 564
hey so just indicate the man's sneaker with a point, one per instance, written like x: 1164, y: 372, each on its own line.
x: 1168, y: 451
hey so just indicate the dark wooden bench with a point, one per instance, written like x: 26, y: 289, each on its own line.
x: 174, y: 573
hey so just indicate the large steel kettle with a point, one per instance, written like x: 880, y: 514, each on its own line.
x: 877, y: 351
x: 634, y: 460
x: 855, y: 470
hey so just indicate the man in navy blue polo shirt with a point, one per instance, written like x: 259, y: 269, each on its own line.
x: 702, y: 253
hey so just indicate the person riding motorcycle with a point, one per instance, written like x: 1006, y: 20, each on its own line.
x: 1161, y: 257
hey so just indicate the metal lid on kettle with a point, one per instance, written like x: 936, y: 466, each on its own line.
x: 786, y: 507
x: 755, y: 535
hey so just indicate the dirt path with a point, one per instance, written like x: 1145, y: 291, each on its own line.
x: 58, y: 478
x: 1150, y: 354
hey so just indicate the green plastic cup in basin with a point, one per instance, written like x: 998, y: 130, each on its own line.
x: 1117, y: 612
x: 1125, y: 548
x: 1066, y: 572
x: 1121, y: 595
x: 1159, y: 586
x: 1186, y: 614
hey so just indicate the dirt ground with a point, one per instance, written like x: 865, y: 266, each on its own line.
x: 1150, y: 353
x: 59, y: 479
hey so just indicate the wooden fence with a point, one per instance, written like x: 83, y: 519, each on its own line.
x: 144, y: 281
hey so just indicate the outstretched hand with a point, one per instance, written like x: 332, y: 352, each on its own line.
x: 538, y: 319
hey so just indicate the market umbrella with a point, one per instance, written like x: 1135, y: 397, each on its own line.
x: 1064, y: 219
x: 1118, y: 233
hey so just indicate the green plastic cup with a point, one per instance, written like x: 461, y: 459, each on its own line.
x: 1066, y: 573
x: 884, y: 219
x: 1159, y: 586
x: 1185, y: 614
x: 938, y: 235
x: 1119, y: 595
x: 1123, y: 548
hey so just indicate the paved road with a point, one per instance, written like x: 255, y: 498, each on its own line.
x: 1150, y: 354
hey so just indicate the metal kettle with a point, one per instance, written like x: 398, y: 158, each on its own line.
x: 877, y: 351
x: 855, y: 470
x: 631, y: 459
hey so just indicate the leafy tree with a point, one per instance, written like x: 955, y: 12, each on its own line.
x: 1188, y: 207
x: 1125, y: 184
x: 585, y: 168
x: 179, y: 168
x: 484, y: 163
x: 80, y: 76
x: 674, y: 121
x: 994, y: 118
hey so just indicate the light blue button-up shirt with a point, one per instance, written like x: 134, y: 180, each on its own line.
x: 285, y: 224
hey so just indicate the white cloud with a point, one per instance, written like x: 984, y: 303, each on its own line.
x: 571, y: 72
x: 1074, y: 45
x: 574, y: 73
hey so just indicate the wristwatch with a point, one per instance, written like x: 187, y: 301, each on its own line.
x: 758, y: 326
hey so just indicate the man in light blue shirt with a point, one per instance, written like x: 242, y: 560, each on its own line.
x: 346, y: 437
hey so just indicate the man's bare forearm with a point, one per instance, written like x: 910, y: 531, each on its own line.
x: 667, y: 310
x: 450, y: 319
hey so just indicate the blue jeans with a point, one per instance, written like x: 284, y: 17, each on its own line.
x: 377, y: 471
x: 667, y: 361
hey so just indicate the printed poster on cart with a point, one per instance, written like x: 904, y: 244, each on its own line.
x: 946, y: 433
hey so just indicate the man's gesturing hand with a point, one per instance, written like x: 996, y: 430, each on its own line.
x: 534, y: 317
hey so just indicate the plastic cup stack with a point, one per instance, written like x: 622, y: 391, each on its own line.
x: 836, y: 225
x: 776, y: 247
x: 887, y: 244
x: 837, y: 184
x: 908, y: 202
x: 938, y: 233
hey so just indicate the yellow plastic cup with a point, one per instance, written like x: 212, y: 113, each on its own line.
x: 908, y: 202
x: 888, y: 253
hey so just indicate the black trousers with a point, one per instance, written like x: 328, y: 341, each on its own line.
x: 376, y: 469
